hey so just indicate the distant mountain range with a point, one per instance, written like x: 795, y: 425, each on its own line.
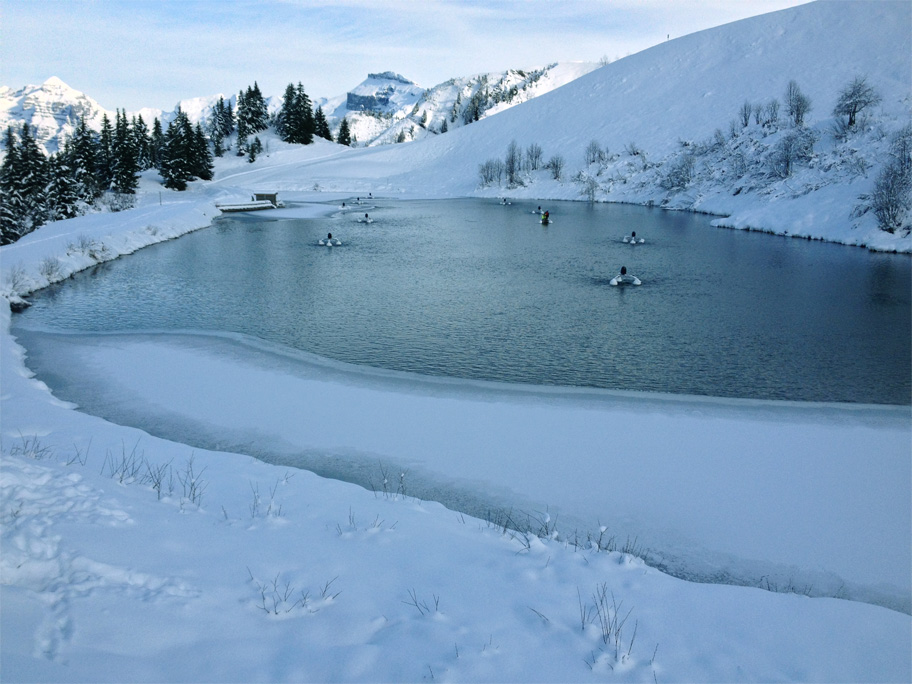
x: 384, y: 108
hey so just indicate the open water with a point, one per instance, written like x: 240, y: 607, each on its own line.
x: 474, y: 289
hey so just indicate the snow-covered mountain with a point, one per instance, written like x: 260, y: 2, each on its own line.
x: 384, y: 108
x: 51, y: 109
x: 388, y: 108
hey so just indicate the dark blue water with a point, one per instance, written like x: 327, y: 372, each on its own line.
x: 473, y: 289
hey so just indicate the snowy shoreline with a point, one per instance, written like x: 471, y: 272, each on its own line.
x: 125, y: 235
x: 91, y: 553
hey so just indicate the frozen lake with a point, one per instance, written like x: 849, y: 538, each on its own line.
x: 472, y: 289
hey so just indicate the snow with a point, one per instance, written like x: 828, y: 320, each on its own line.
x: 228, y: 568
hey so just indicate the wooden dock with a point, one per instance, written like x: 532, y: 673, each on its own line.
x: 254, y: 205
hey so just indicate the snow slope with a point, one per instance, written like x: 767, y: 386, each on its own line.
x: 121, y: 559
x: 684, y: 91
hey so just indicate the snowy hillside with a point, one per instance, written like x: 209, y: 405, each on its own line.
x: 684, y: 96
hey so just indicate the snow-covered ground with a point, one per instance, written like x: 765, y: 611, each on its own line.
x: 125, y: 557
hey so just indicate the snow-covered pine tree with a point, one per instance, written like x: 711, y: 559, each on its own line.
x: 285, y: 118
x: 321, y: 126
x: 156, y: 144
x: 23, y: 178
x: 12, y: 210
x: 229, y: 121
x: 259, y: 113
x: 218, y: 144
x: 344, y: 137
x: 304, y: 122
x: 176, y: 153
x: 139, y: 132
x: 105, y: 168
x: 201, y: 159
x: 295, y: 122
x: 126, y: 158
x: 243, y: 120
x: 62, y: 191
x: 81, y: 153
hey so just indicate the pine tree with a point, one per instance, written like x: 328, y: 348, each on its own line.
x: 140, y: 135
x: 82, y: 159
x: 243, y: 120
x: 344, y: 137
x: 295, y: 122
x: 259, y: 113
x: 34, y: 164
x: 221, y: 121
x: 201, y: 159
x: 219, y: 127
x: 105, y: 168
x: 156, y: 144
x: 229, y: 120
x: 321, y: 126
x: 176, y: 153
x: 255, y: 148
x: 23, y: 178
x: 126, y: 158
x: 12, y: 210
x: 215, y: 118
x: 218, y: 144
x: 304, y: 128
x: 287, y: 114
x: 63, y: 199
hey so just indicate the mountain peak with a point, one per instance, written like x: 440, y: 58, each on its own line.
x: 54, y: 82
x: 391, y: 76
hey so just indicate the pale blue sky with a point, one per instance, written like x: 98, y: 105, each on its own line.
x: 153, y: 53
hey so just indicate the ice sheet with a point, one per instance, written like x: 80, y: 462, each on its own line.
x: 806, y: 497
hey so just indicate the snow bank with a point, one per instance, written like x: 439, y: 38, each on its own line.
x: 131, y: 558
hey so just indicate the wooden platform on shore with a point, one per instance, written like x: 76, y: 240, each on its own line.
x: 255, y: 205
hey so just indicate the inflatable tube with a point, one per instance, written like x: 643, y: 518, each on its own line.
x: 625, y: 279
